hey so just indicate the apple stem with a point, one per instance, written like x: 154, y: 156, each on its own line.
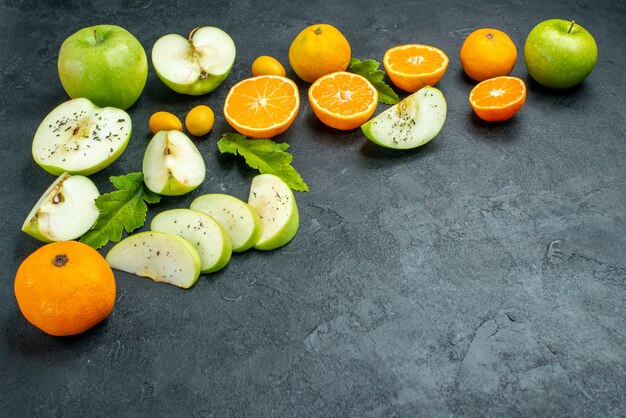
x: 191, y: 34
x: 95, y: 35
x: 571, y: 27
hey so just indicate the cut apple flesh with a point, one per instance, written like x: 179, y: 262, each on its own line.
x: 200, y: 230
x: 237, y: 217
x: 172, y: 165
x: 161, y: 256
x: 275, y: 203
x: 80, y: 138
x: 65, y: 211
x: 411, y: 123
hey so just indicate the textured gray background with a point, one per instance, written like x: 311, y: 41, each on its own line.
x: 481, y: 275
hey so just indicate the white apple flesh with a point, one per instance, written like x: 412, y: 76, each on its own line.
x: 276, y: 205
x: 237, y: 217
x: 200, y: 230
x: 65, y: 211
x: 172, y: 165
x: 160, y: 256
x: 196, y: 65
x: 411, y: 123
x: 80, y: 138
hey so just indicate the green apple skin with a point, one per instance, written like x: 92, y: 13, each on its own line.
x: 557, y: 58
x: 104, y: 63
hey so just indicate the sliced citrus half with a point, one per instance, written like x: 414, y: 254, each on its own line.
x: 413, y: 66
x: 263, y: 106
x: 498, y: 98
x: 343, y: 100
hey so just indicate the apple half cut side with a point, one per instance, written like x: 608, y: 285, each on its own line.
x: 80, y: 138
x: 200, y: 230
x: 65, y: 211
x: 410, y: 123
x: 276, y: 205
x: 236, y: 216
x: 160, y: 256
x: 172, y: 165
x: 197, y: 65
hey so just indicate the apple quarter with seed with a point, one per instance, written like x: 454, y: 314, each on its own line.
x: 200, y: 230
x: 65, y: 211
x: 160, y: 256
x: 80, y: 138
x: 276, y: 205
x: 236, y: 216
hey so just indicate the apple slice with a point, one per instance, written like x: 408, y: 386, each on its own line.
x: 65, y: 211
x: 80, y: 138
x: 237, y: 217
x: 411, y: 123
x: 275, y: 203
x: 172, y: 165
x: 200, y: 230
x: 161, y: 256
x: 196, y: 65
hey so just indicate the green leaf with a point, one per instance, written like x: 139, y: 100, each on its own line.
x: 369, y: 70
x: 265, y: 155
x: 121, y: 210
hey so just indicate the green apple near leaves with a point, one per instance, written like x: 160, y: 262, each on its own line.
x: 105, y: 64
x: 560, y: 53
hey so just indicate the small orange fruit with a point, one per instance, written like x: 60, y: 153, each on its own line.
x: 498, y: 98
x: 319, y: 50
x: 164, y: 121
x: 200, y: 120
x: 411, y: 67
x: 343, y: 100
x: 262, y: 107
x: 65, y: 288
x: 487, y: 53
x: 266, y: 65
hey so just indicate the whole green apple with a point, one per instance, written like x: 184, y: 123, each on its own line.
x: 105, y: 64
x: 560, y: 53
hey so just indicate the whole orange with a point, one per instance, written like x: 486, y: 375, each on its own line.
x: 488, y: 53
x: 319, y: 50
x: 65, y: 288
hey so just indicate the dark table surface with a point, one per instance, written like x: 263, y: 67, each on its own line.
x: 480, y: 275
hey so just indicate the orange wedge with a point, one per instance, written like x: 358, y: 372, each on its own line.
x: 411, y: 67
x: 498, y: 98
x: 343, y: 100
x: 263, y: 106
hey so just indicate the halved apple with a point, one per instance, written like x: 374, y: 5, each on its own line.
x: 200, y: 230
x: 161, y: 256
x: 237, y: 217
x: 172, y: 165
x: 80, y: 138
x: 411, y: 123
x: 65, y: 211
x: 196, y: 65
x: 276, y: 205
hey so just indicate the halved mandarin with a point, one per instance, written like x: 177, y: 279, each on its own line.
x: 343, y: 100
x: 498, y: 98
x: 263, y: 106
x: 413, y: 66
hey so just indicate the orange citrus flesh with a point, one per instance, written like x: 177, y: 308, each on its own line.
x: 499, y: 98
x: 343, y: 100
x: 262, y: 107
x: 411, y: 67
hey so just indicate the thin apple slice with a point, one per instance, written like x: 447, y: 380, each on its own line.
x: 236, y: 216
x: 276, y: 205
x: 196, y: 65
x: 200, y: 230
x: 80, y: 138
x: 65, y: 211
x: 160, y: 256
x: 172, y: 165
x: 411, y: 123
